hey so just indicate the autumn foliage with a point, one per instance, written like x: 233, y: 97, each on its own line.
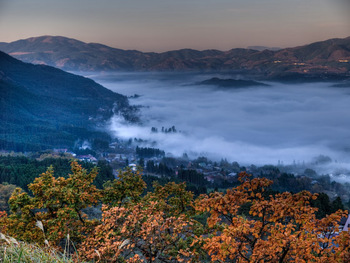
x: 280, y: 228
x: 57, y: 203
x: 243, y: 224
x: 144, y: 232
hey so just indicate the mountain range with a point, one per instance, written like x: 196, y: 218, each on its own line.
x: 44, y: 107
x: 330, y: 57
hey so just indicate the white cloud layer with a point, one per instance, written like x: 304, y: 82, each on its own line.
x: 259, y: 125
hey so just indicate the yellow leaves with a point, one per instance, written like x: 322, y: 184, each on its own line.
x: 172, y: 198
x: 127, y: 188
x: 60, y: 200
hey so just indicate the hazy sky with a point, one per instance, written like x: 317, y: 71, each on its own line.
x: 159, y: 25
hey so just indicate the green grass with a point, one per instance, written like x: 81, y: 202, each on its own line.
x: 20, y: 252
x: 23, y: 252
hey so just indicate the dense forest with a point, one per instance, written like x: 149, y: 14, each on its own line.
x: 21, y: 170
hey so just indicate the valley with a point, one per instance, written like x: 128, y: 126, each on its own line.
x: 174, y: 131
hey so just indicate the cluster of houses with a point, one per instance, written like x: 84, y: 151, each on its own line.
x: 83, y: 158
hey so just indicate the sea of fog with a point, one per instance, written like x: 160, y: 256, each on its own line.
x: 257, y: 125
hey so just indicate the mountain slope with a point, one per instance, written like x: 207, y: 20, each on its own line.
x: 330, y: 56
x: 43, y: 107
x: 70, y: 54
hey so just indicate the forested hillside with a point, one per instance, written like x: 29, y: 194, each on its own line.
x: 43, y: 107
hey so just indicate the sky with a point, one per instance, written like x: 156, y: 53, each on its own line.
x: 160, y: 25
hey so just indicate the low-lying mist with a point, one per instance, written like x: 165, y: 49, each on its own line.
x: 256, y: 125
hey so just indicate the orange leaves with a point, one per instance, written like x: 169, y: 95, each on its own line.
x: 156, y: 227
x: 160, y: 226
x: 149, y: 233
x: 281, y: 228
x: 226, y: 205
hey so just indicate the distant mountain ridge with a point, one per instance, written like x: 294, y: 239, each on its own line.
x: 261, y: 48
x: 43, y: 107
x: 325, y: 57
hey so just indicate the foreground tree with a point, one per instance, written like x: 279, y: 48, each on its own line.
x: 158, y: 228
x: 280, y: 228
x: 142, y: 233
x: 244, y: 224
x: 172, y: 199
x: 55, y: 209
x: 127, y: 188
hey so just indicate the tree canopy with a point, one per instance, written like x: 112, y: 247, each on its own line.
x: 247, y: 223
